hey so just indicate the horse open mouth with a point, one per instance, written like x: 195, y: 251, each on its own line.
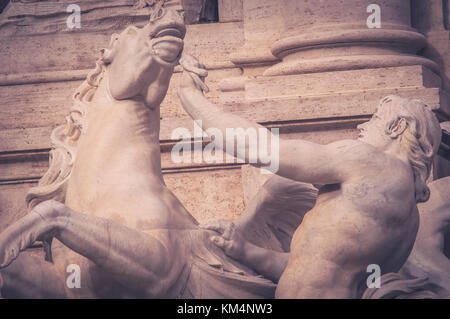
x: 168, y: 43
x: 173, y: 32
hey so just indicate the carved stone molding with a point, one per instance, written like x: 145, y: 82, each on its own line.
x: 263, y: 21
x: 323, y: 36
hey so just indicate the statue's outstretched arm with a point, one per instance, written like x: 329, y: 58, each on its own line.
x: 297, y: 159
x: 199, y: 108
x: 132, y: 257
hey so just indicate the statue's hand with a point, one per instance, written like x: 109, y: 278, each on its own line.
x: 230, y: 239
x: 194, y: 74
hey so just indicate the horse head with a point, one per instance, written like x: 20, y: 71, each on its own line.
x: 139, y: 61
x: 136, y: 66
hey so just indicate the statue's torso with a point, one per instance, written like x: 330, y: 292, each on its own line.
x: 352, y: 225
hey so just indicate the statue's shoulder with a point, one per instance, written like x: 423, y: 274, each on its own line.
x: 349, y: 144
x: 351, y: 150
x: 361, y: 158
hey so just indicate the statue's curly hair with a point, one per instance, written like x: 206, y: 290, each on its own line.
x: 421, y: 138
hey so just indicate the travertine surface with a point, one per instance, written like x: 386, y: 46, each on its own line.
x: 312, y: 69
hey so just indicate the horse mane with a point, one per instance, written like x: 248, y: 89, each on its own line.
x: 64, y: 142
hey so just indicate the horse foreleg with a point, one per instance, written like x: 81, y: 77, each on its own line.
x: 132, y: 258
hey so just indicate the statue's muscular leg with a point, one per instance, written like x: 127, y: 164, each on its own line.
x: 133, y: 258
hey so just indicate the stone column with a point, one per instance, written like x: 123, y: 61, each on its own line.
x: 333, y: 35
x: 263, y: 22
x: 432, y: 19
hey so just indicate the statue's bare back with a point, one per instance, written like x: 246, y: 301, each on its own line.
x: 353, y: 224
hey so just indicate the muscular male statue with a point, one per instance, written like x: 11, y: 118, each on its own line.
x: 366, y: 211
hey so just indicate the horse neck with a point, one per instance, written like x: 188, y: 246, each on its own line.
x: 120, y: 135
x: 118, y: 158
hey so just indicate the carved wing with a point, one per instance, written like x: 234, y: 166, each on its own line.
x: 426, y: 272
x: 401, y: 286
x: 275, y: 212
x: 429, y: 257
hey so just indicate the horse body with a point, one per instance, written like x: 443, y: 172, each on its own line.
x: 115, y: 164
x: 117, y: 173
x: 117, y: 176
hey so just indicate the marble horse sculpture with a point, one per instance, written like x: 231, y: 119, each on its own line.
x: 104, y: 201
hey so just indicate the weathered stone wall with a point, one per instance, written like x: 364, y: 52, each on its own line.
x: 313, y: 70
